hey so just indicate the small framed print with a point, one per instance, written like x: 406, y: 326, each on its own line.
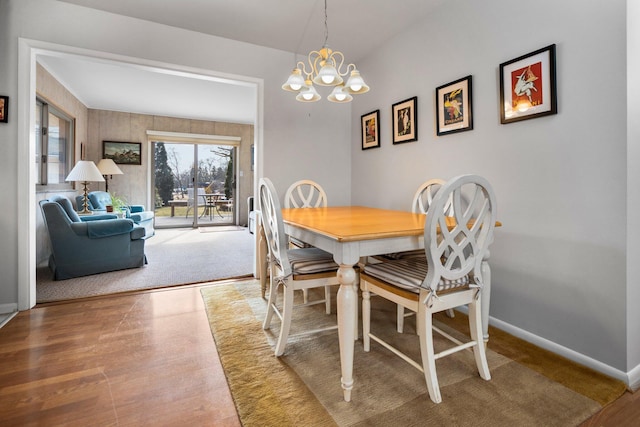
x: 453, y: 107
x: 4, y: 109
x: 405, y: 120
x: 528, y: 86
x: 371, y: 130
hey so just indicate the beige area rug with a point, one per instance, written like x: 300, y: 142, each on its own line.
x: 303, y: 386
x: 175, y: 257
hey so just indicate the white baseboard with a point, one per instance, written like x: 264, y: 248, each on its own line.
x: 8, y: 308
x: 634, y: 378
x: 630, y: 378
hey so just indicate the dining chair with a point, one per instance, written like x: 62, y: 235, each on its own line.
x: 422, y: 200
x: 291, y: 269
x: 449, y: 276
x: 305, y: 194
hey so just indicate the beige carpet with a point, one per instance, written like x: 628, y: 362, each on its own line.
x: 303, y: 386
x: 175, y: 257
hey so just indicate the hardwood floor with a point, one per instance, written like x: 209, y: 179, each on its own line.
x: 136, y: 359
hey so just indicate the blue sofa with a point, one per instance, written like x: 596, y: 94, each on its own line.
x: 99, y: 200
x: 91, y: 244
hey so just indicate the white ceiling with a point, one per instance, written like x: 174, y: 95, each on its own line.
x: 356, y: 27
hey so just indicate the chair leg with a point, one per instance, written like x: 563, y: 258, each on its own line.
x: 450, y: 313
x: 400, y: 319
x: 327, y: 299
x: 479, y: 350
x: 273, y: 295
x: 424, y: 318
x: 366, y: 318
x: 305, y: 296
x: 286, y: 320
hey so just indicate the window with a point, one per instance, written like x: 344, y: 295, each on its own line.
x: 54, y: 146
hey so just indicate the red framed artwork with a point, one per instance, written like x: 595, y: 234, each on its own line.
x: 528, y: 86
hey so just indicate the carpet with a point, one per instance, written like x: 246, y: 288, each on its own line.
x: 303, y: 386
x: 176, y: 256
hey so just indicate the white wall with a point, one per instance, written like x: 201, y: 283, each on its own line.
x: 299, y: 139
x: 558, y: 263
x: 633, y: 172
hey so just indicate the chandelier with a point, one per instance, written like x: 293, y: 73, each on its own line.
x: 325, y: 69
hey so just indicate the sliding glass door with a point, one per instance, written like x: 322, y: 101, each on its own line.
x: 195, y: 184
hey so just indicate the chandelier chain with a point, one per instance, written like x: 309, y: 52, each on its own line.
x: 326, y: 26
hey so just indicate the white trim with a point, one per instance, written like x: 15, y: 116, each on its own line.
x: 28, y: 49
x: 629, y: 378
x: 634, y: 378
x: 193, y: 137
x: 561, y: 350
x: 8, y: 308
x: 7, y: 318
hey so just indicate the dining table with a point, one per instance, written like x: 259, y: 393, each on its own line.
x: 352, y: 233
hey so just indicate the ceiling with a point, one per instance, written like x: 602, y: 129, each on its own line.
x: 355, y: 27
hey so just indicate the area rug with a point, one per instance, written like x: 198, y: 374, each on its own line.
x: 175, y: 257
x: 303, y: 386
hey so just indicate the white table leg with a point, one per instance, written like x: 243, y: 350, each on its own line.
x: 347, y: 305
x: 486, y: 296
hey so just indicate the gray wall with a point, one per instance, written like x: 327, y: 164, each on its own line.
x: 559, y: 261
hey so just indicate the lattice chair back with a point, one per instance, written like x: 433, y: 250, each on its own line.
x: 425, y: 194
x: 456, y: 245
x: 277, y: 242
x: 305, y: 194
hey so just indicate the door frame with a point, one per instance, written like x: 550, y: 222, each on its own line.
x: 28, y: 49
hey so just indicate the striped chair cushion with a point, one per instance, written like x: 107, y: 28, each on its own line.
x: 310, y: 260
x: 409, y: 273
x: 418, y: 253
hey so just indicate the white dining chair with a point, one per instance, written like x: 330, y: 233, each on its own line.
x: 422, y: 200
x: 305, y: 194
x: 449, y: 276
x: 290, y: 269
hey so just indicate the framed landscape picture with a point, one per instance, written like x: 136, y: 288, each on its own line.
x: 453, y: 107
x: 528, y: 86
x: 122, y: 153
x: 405, y: 120
x: 370, y: 130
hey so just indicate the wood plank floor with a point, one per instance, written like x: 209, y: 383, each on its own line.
x: 137, y: 359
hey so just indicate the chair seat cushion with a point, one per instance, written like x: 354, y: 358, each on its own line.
x: 310, y: 260
x: 409, y: 273
x: 418, y: 253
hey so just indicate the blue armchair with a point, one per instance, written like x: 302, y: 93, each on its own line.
x: 99, y: 200
x: 91, y: 244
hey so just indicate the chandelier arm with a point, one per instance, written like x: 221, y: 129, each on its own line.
x: 338, y: 66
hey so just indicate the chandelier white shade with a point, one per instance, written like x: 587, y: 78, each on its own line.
x: 325, y: 67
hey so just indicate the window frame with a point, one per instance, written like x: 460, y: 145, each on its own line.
x: 42, y: 141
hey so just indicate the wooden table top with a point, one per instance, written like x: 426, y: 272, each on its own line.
x: 352, y: 223
x: 355, y: 223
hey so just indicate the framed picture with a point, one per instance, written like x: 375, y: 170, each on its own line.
x: 453, y: 107
x: 405, y: 120
x: 4, y: 109
x: 122, y: 153
x: 528, y: 86
x: 370, y: 130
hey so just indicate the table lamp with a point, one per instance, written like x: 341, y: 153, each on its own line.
x: 85, y: 171
x: 108, y: 168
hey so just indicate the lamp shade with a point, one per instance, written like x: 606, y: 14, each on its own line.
x: 85, y: 171
x: 109, y: 167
